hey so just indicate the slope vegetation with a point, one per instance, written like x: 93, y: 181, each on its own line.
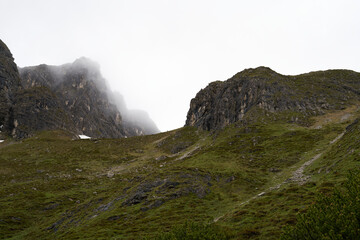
x: 241, y: 178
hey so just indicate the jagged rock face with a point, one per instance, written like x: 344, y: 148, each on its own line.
x: 222, y: 103
x: 9, y: 85
x: 71, y: 96
x: 82, y: 95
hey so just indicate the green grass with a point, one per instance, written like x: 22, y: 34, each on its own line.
x: 195, y: 231
x: 53, y: 187
x: 332, y: 217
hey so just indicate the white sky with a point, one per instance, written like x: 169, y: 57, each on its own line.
x: 160, y: 53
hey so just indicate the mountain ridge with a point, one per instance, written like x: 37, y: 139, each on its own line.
x: 263, y: 90
x: 72, y: 96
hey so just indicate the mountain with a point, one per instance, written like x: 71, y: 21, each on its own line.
x: 9, y: 84
x: 73, y: 97
x: 259, y: 150
x: 261, y: 92
x: 135, y: 120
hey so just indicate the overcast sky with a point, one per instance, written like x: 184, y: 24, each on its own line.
x: 159, y: 53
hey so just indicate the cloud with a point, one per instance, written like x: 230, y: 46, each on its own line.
x: 158, y: 54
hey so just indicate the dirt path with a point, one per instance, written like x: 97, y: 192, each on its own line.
x: 298, y: 176
x: 188, y: 153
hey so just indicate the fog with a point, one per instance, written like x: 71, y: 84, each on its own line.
x: 131, y: 117
x: 88, y: 69
x: 158, y: 54
x: 135, y: 117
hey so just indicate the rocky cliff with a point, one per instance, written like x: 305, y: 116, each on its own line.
x: 261, y: 92
x: 9, y: 85
x: 72, y: 97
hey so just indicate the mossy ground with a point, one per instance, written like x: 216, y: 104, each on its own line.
x: 53, y: 187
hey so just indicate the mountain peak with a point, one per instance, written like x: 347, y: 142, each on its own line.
x: 4, y: 50
x: 256, y: 93
x: 73, y: 97
x: 85, y: 62
x: 257, y: 72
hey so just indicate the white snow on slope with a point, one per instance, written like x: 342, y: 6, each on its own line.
x: 84, y: 137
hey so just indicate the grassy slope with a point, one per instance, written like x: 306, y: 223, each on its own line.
x: 57, y: 188
x: 265, y: 216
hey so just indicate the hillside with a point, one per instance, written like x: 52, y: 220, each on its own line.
x: 247, y: 178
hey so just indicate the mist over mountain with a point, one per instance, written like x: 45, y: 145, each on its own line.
x: 74, y: 97
x: 134, y: 118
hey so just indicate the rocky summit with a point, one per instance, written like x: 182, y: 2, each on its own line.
x: 261, y: 92
x: 72, y: 97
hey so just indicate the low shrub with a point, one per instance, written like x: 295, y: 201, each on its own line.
x: 195, y: 231
x: 331, y: 217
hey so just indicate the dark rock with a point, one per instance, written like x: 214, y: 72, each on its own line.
x: 10, y: 84
x: 230, y: 179
x: 104, y: 207
x: 16, y: 219
x: 73, y: 97
x: 202, y: 191
x: 136, y: 198
x: 113, y: 218
x: 141, y: 192
x: 148, y: 186
x: 254, y: 93
x: 51, y: 206
x: 353, y: 125
x: 170, y: 184
x: 179, y: 193
x: 155, y: 204
x: 274, y: 170
x: 169, y: 189
x: 54, y: 227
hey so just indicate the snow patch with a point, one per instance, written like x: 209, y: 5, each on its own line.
x: 84, y: 137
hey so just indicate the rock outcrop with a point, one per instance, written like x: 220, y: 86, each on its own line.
x: 264, y: 91
x: 9, y: 85
x: 73, y: 97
